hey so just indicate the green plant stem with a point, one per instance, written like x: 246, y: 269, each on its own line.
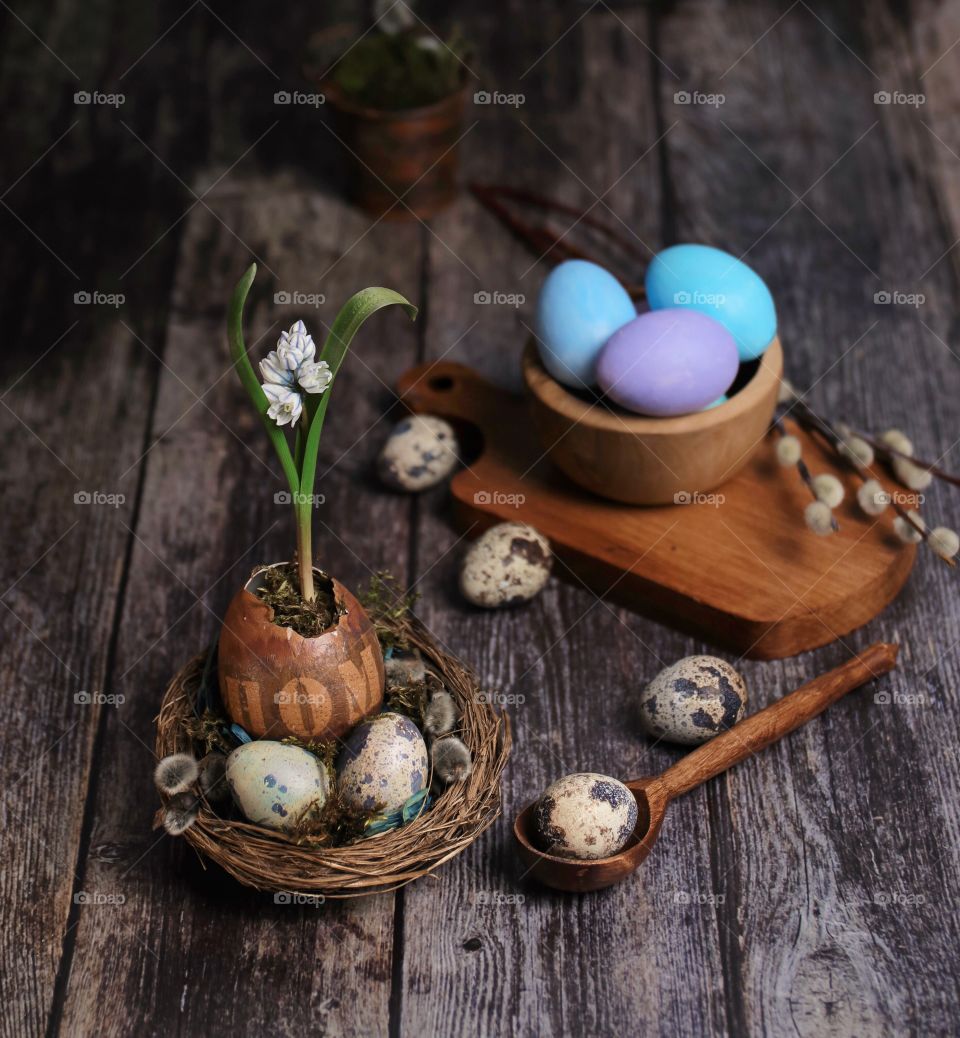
x: 354, y: 312
x: 303, y: 516
x: 298, y: 445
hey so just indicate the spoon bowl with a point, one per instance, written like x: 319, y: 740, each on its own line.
x: 653, y: 794
x: 579, y: 877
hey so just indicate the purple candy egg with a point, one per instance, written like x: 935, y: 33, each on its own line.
x: 668, y: 362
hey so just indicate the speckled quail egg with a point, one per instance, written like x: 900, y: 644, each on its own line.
x: 585, y: 816
x: 510, y: 563
x: 693, y: 700
x: 420, y: 452
x: 275, y: 784
x: 382, y: 764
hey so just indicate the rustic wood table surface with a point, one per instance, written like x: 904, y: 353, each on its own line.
x: 810, y: 891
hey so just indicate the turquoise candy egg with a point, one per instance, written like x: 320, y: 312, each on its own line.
x: 580, y: 306
x: 712, y: 281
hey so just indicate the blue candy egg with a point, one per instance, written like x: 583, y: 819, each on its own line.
x: 712, y: 281
x: 580, y: 306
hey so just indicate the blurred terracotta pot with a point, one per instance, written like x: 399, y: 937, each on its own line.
x: 276, y: 683
x: 410, y: 154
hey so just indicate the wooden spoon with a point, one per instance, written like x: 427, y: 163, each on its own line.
x: 653, y: 794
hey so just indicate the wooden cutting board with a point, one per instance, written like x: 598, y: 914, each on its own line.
x: 738, y: 568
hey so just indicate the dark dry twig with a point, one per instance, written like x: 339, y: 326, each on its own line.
x: 542, y: 240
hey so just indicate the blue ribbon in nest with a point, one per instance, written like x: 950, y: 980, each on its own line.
x: 387, y: 820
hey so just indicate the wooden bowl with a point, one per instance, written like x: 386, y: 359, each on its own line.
x: 651, y: 461
x: 275, y: 683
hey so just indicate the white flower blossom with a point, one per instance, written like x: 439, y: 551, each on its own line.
x: 786, y: 394
x: 289, y: 369
x: 314, y: 376
x: 295, y: 346
x: 897, y: 440
x: 274, y: 372
x: 908, y: 533
x: 857, y: 450
x: 910, y: 474
x: 872, y: 498
x: 286, y: 404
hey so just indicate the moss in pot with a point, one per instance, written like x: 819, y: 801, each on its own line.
x: 298, y: 655
x: 399, y: 99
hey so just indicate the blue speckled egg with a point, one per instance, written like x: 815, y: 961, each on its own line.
x: 382, y: 764
x: 580, y: 306
x: 584, y: 816
x: 693, y: 700
x: 668, y: 362
x: 712, y: 281
x: 720, y: 400
x: 275, y: 784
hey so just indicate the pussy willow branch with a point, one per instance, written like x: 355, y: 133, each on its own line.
x: 821, y: 427
x: 804, y: 472
x: 886, y: 450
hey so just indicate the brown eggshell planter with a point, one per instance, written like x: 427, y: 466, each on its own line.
x: 275, y: 683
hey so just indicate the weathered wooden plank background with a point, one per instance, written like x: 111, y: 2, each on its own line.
x: 811, y: 892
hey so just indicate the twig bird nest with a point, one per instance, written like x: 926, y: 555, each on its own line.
x: 270, y: 860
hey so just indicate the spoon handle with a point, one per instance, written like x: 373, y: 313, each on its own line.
x: 769, y: 725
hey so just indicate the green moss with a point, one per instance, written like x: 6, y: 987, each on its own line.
x: 332, y: 826
x: 280, y: 589
x: 327, y: 752
x: 389, y: 609
x: 408, y: 699
x: 208, y: 730
x: 407, y: 70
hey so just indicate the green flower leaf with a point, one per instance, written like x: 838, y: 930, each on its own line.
x: 244, y: 369
x: 300, y: 466
x: 355, y: 311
